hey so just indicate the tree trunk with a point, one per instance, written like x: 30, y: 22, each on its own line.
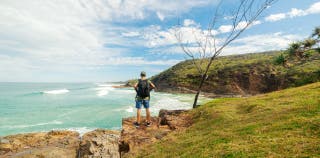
x: 204, y: 77
x: 196, y: 99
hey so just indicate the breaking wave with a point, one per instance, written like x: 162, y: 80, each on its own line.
x: 59, y: 91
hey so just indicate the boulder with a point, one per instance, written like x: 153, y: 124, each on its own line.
x: 100, y: 143
x: 52, y: 144
x: 175, y: 119
x: 132, y: 138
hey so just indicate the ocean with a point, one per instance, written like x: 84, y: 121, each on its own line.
x: 82, y: 107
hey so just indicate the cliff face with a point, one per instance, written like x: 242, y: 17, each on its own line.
x: 240, y: 75
x: 98, y: 143
x: 133, y: 139
x: 227, y: 83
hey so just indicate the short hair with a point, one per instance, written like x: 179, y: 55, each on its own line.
x: 143, y: 74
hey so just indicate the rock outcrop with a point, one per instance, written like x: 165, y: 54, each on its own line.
x: 100, y: 143
x: 63, y: 144
x: 174, y: 119
x: 133, y: 138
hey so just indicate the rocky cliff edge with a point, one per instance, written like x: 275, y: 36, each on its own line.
x: 98, y: 143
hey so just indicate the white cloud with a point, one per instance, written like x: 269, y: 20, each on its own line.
x: 296, y: 12
x: 276, y: 17
x: 136, y: 61
x: 241, y: 25
x: 260, y: 43
x: 43, y: 35
x: 77, y: 32
x: 228, y: 17
x: 157, y: 38
x: 249, y: 44
x: 131, y: 34
x: 313, y: 9
x: 189, y: 22
x: 140, y: 9
x: 225, y: 28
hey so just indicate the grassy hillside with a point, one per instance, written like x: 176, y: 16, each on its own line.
x: 242, y: 74
x: 280, y: 124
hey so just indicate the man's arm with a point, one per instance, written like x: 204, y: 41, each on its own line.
x: 152, y: 85
x: 136, y: 86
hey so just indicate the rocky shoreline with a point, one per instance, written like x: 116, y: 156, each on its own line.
x: 98, y: 143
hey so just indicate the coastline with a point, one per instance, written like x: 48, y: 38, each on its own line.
x: 84, y: 108
x: 184, y: 90
x: 99, y: 142
x: 120, y: 142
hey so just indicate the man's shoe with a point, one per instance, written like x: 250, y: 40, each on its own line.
x: 148, y: 124
x: 136, y: 124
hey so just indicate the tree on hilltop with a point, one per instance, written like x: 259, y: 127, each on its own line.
x: 301, y: 49
x: 204, y: 47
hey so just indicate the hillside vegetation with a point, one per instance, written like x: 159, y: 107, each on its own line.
x: 279, y: 124
x: 242, y: 74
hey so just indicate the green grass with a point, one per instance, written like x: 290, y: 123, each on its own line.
x: 280, y: 124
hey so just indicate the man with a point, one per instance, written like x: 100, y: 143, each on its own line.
x: 143, y: 88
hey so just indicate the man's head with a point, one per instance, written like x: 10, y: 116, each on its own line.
x: 143, y: 74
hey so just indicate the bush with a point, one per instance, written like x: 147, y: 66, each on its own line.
x: 294, y: 48
x: 308, y: 43
x: 309, y: 53
x: 280, y: 60
x: 295, y: 45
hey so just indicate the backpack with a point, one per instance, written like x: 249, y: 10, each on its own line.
x: 143, y: 88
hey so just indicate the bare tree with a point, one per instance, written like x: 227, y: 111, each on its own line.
x: 207, y: 45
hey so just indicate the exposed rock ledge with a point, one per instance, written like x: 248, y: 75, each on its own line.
x: 98, y: 143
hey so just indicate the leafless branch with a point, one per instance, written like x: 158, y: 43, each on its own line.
x: 209, y: 44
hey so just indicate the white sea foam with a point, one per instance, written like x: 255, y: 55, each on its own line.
x: 103, y: 92
x: 103, y: 89
x: 80, y: 130
x: 58, y: 91
x: 130, y: 109
x: 169, y: 103
x: 83, y: 130
x: 127, y: 91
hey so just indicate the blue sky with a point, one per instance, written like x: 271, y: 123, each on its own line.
x: 113, y: 40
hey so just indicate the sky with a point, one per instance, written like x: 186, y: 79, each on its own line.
x: 114, y: 40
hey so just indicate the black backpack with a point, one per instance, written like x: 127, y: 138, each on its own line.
x: 143, y: 88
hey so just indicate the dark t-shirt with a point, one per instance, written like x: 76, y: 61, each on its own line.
x: 146, y: 98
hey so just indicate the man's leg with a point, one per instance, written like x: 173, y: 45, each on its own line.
x: 148, y: 115
x: 138, y: 115
x: 138, y: 106
x: 146, y: 106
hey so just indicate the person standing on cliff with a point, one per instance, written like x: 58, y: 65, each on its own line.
x: 143, y: 88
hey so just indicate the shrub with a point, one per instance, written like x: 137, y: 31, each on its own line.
x: 309, y: 53
x: 280, y: 60
x: 308, y: 43
x: 294, y: 48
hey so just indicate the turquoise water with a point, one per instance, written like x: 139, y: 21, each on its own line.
x: 34, y: 107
